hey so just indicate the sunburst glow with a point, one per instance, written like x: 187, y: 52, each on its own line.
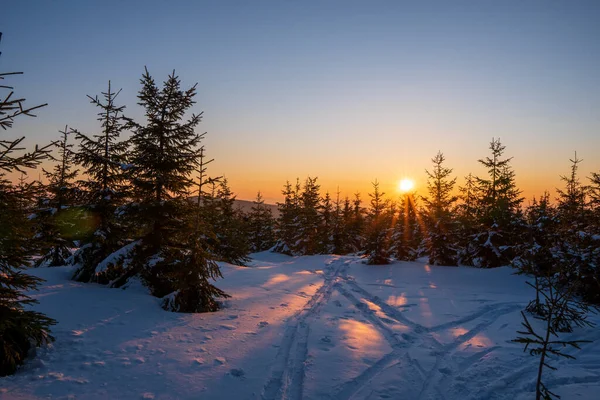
x: 406, y: 185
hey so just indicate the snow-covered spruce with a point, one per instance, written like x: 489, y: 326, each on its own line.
x: 56, y: 216
x: 103, y: 157
x: 21, y: 327
x: 168, y: 252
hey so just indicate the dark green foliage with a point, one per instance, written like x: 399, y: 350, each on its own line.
x: 340, y: 237
x: 103, y: 159
x: 440, y: 235
x: 558, y: 309
x: 465, y: 216
x: 171, y: 256
x: 309, y: 220
x: 379, y: 220
x: 578, y: 249
x: 407, y: 233
x: 356, y: 225
x: 56, y: 219
x: 231, y: 239
x: 180, y: 274
x: 289, y: 219
x: 261, y: 226
x: 572, y: 200
x: 594, y: 198
x: 326, y: 228
x: 499, y: 222
x: 20, y: 327
x: 535, y: 255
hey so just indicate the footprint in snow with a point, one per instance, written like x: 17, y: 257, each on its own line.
x: 237, y: 372
x: 407, y: 337
x: 262, y: 324
x: 337, y: 303
x: 220, y: 360
x: 326, y: 343
x: 228, y: 327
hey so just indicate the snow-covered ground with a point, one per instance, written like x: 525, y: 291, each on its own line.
x: 319, y: 327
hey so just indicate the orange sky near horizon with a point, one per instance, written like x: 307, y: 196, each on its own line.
x: 270, y: 174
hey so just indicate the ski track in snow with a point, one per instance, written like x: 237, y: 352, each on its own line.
x: 440, y: 360
x: 435, y: 379
x: 287, y: 378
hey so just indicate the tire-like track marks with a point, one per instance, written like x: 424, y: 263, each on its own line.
x: 287, y: 375
x: 438, y: 377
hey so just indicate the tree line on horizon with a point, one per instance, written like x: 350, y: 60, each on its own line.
x: 146, y: 209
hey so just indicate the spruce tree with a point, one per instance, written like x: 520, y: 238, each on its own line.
x: 261, y: 226
x: 579, y: 247
x: 103, y: 157
x: 206, y: 211
x: 379, y: 222
x: 594, y: 199
x: 20, y: 326
x: 440, y: 236
x: 55, y: 218
x: 309, y: 219
x: 466, y: 218
x: 169, y: 255
x: 357, y: 225
x: 231, y: 243
x: 499, y: 222
x: 343, y: 235
x: 407, y: 234
x: 338, y: 229
x: 559, y: 306
x: 572, y: 199
x: 535, y: 255
x: 328, y: 224
x: 288, y: 221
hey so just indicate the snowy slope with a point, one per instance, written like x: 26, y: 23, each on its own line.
x: 319, y: 327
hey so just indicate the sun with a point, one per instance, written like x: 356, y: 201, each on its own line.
x: 406, y: 185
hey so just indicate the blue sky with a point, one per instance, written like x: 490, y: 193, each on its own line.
x: 348, y: 91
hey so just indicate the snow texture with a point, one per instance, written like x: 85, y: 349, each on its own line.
x: 117, y: 256
x: 314, y: 327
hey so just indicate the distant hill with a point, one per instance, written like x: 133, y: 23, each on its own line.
x: 246, y: 206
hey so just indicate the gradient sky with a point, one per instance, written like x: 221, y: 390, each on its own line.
x: 348, y: 91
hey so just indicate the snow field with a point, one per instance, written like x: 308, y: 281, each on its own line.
x: 313, y: 327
